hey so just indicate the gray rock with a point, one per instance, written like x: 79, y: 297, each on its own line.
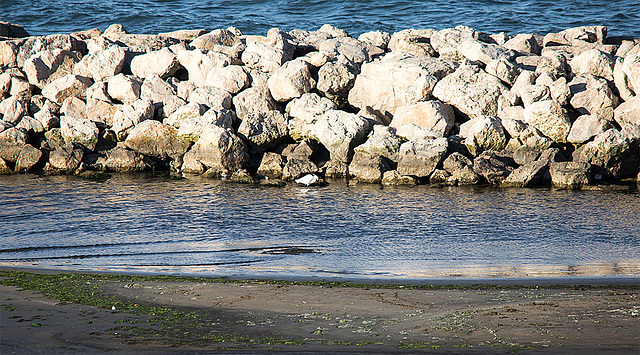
x: 503, y: 69
x: 64, y: 159
x: 155, y: 89
x: 483, y: 133
x: 528, y: 175
x: 420, y: 159
x: 268, y: 53
x: 33, y: 45
x: 393, y: 177
x: 432, y: 115
x: 291, y: 80
x: 124, y: 87
x: 211, y: 97
x: 103, y: 64
x: 69, y: 85
x: 397, y: 79
x: 628, y: 112
x: 340, y: 132
x: 460, y: 169
x: 524, y: 43
x: 30, y: 125
x: 368, y: 168
x: 335, y: 80
x: 28, y: 158
x: 232, y: 78
x: 193, y: 126
x: 304, y: 112
x: 263, y: 129
x: 254, y: 99
x: 218, y: 151
x: 129, y: 115
x: 96, y: 110
x: 472, y: 91
x: 534, y: 93
x: 572, y: 175
x: 185, y: 112
x: 586, y: 127
x: 11, y: 142
x: 121, y: 159
x: 616, y: 153
x: 447, y: 41
x: 592, y: 95
x: 381, y: 141
x: 631, y: 73
x: 353, y: 50
x: 577, y: 36
x: 79, y: 130
x: 198, y: 63
x: 155, y: 139
x: 492, y: 167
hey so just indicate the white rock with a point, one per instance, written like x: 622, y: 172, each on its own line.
x: 340, y: 132
x: 69, y: 85
x: 79, y: 130
x: 477, y: 51
x: 628, y: 112
x: 254, y: 99
x: 433, y: 115
x: 483, y: 133
x: 102, y: 65
x: 188, y: 111
x: 550, y: 118
x: 232, y: 78
x: 124, y: 87
x: 130, y: 115
x: 211, y: 97
x: 162, y: 63
x: 586, y: 127
x: 48, y: 65
x: 291, y: 81
x: 199, y: 63
x: 304, y: 112
x: 503, y: 70
x: 593, y: 62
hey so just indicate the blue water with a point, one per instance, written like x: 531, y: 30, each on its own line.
x: 41, y: 17
x: 205, y: 227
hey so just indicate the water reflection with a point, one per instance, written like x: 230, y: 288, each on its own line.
x: 209, y: 227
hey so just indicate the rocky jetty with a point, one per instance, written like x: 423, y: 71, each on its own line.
x: 454, y: 106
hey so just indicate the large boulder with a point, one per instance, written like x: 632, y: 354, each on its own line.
x: 35, y: 44
x: 218, y: 151
x: 340, y: 132
x: 432, y: 115
x: 79, y: 130
x: 447, y: 41
x: 124, y: 87
x: 335, y: 80
x: 592, y: 95
x: 352, y: 49
x: 382, y: 141
x: 211, y: 97
x: 368, y: 168
x: 397, y: 79
x: 460, y: 169
x: 586, y: 127
x: 492, y: 166
x: 263, y: 129
x: 129, y: 115
x: 291, y: 80
x: 254, y: 99
x: 64, y: 159
x: 477, y: 51
x: 183, y: 113
x: 572, y: 175
x: 303, y: 113
x: 524, y: 43
x: 69, y: 85
x: 162, y: 63
x: 576, y: 36
x: 411, y: 41
x: 102, y: 65
x: 11, y: 142
x: 528, y: 175
x: 28, y: 158
x: 630, y: 73
x: 593, y: 62
x: 420, y: 159
x: 121, y: 159
x: 550, y: 118
x: 221, y: 40
x: 483, y: 133
x: 268, y: 53
x: 232, y: 78
x: 192, y: 127
x: 471, y: 90
x: 49, y: 65
x: 628, y: 112
x: 198, y: 63
x: 13, y: 109
x: 612, y: 151
x: 155, y: 139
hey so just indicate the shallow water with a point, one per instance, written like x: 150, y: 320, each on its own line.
x: 208, y: 227
x: 41, y: 17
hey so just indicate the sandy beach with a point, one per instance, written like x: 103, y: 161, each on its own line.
x: 189, y: 316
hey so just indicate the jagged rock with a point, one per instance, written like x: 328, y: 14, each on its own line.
x: 217, y: 151
x: 198, y: 63
x: 368, y: 168
x: 340, y: 132
x: 616, y: 153
x: 69, y: 85
x: 221, y: 40
x: 155, y: 139
x: 352, y: 49
x: 592, y: 95
x: 379, y: 39
x: 268, y: 53
x: 4, y: 168
x: 411, y: 41
x: 124, y: 87
x: 73, y: 106
x: 460, y: 169
x: 271, y: 165
x: 193, y: 126
x: 13, y: 109
x: 254, y: 99
x: 471, y: 90
x: 49, y: 65
x: 304, y: 112
x: 381, y: 141
x: 79, y: 130
x: 560, y: 91
x: 335, y: 80
x: 586, y: 127
x: 414, y: 133
x: 33, y: 45
x: 232, y: 78
x: 185, y: 112
x: 577, y: 36
x: 397, y: 79
x: 572, y: 175
x: 550, y: 118
x: 534, y: 93
x: 155, y: 89
x: 553, y: 63
x: 333, y: 31
x: 477, y: 51
x: 594, y: 62
x: 54, y: 138
x: 47, y: 117
x: 528, y: 175
x: 492, y: 167
x: 28, y: 158
x: 12, y: 30
x: 503, y: 69
x: 162, y: 63
x: 11, y: 142
x: 524, y: 43
x: 263, y: 129
x: 628, y: 112
x: 393, y: 177
x: 129, y: 115
x: 102, y: 65
x: 14, y: 83
x: 447, y: 41
x: 170, y: 104
x: 100, y: 111
x: 439, y: 176
x: 31, y: 125
x: 213, y: 98
x: 483, y: 133
x: 630, y: 72
x: 432, y: 115
x: 64, y: 159
x: 121, y: 159
x: 291, y: 80
x: 420, y: 159
x: 375, y: 116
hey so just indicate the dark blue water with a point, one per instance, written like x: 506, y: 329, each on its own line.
x: 208, y: 227
x: 41, y: 17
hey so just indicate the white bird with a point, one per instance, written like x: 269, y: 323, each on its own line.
x: 307, y: 179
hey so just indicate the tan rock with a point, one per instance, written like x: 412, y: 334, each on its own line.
x: 433, y: 115
x: 550, y: 118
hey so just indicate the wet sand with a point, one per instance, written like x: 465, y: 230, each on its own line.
x: 322, y: 319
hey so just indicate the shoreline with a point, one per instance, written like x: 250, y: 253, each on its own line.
x: 182, y: 315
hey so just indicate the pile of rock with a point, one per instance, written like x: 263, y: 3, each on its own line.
x: 454, y: 106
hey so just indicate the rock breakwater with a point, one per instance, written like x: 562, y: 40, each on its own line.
x: 455, y: 106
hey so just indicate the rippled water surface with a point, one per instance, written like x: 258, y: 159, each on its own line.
x: 208, y: 227
x: 41, y: 17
